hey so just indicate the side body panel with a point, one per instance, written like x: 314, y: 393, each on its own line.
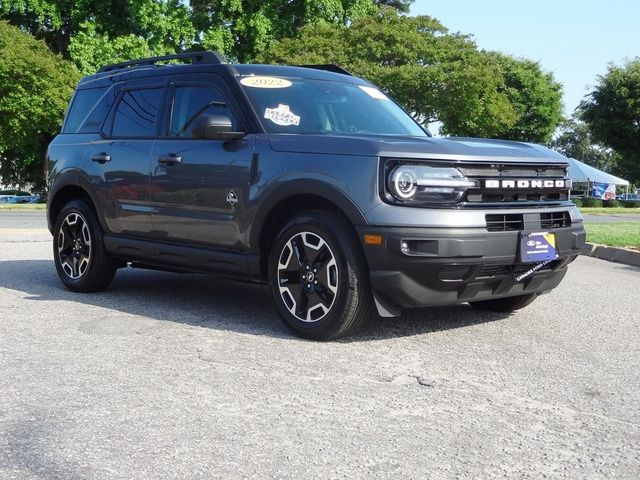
x: 122, y: 184
x: 201, y: 198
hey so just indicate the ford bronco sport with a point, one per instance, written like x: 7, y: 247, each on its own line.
x: 306, y: 178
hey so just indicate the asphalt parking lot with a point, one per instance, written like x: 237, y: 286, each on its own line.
x: 625, y: 217
x: 168, y: 376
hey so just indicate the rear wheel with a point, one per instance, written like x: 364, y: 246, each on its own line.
x: 509, y: 304
x: 318, y: 277
x: 78, y: 251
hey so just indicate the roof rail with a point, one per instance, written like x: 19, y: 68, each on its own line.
x: 329, y: 67
x: 195, y: 57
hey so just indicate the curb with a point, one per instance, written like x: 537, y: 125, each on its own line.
x: 612, y: 254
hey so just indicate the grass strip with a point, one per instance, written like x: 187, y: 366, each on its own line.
x: 23, y: 206
x: 619, y: 234
x: 609, y: 211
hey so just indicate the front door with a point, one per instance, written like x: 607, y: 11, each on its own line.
x: 198, y: 187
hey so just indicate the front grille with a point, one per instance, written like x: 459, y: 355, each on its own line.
x: 504, y: 223
x: 531, y: 221
x: 555, y: 220
x: 513, y: 197
x: 478, y: 196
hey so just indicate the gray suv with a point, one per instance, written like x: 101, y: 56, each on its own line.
x: 306, y: 178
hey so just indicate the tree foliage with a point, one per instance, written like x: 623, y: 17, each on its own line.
x: 35, y: 88
x: 57, y: 21
x: 534, y: 95
x: 436, y: 75
x: 612, y: 112
x: 93, y: 33
x: 575, y: 141
x: 400, y: 5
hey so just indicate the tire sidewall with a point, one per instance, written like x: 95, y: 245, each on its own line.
x: 81, y: 208
x: 315, y: 223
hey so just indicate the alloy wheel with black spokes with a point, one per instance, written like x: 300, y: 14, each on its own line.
x: 307, y: 276
x: 74, y: 245
x: 318, y: 276
x: 81, y: 260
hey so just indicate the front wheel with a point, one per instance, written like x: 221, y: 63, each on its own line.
x: 78, y: 251
x: 318, y: 277
x: 505, y: 305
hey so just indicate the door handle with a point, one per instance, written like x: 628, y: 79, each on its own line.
x: 171, y: 159
x: 101, y: 158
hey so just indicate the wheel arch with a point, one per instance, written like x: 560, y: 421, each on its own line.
x: 69, y: 187
x: 288, y: 202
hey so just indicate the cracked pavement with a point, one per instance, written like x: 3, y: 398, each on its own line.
x: 167, y: 376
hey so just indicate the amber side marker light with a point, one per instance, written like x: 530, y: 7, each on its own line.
x: 373, y: 239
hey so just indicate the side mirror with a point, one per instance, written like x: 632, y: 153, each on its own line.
x: 215, y: 127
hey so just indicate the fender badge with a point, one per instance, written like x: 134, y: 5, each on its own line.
x: 232, y: 198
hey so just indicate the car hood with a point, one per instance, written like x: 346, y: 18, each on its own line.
x: 449, y: 148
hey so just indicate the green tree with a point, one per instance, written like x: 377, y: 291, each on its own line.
x: 242, y: 29
x: 400, y: 5
x: 93, y: 33
x: 154, y: 28
x: 535, y: 96
x: 57, y: 21
x: 436, y: 75
x: 35, y: 88
x: 575, y: 141
x: 612, y: 112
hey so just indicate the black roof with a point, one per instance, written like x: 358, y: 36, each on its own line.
x: 203, y: 61
x: 195, y: 57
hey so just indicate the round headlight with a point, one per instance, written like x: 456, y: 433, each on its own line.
x: 415, y: 184
x: 403, y: 183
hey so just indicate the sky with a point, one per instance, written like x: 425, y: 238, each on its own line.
x: 575, y: 40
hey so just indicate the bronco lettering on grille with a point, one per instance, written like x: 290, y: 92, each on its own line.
x: 524, y: 183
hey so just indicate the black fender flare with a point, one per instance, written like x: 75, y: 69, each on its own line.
x: 296, y: 187
x: 71, y: 178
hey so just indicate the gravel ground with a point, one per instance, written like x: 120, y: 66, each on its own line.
x: 168, y: 376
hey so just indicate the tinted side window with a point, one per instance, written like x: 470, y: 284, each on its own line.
x: 83, y: 103
x: 136, y: 113
x: 192, y: 102
x: 97, y: 116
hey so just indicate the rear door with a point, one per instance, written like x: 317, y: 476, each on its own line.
x: 198, y: 187
x: 121, y: 159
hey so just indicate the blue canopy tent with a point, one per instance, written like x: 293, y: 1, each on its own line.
x: 581, y: 173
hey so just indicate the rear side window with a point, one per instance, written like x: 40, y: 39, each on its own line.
x: 95, y: 119
x: 137, y: 112
x: 83, y: 103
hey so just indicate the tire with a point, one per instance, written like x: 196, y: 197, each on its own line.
x: 78, y: 249
x: 331, y: 298
x: 505, y: 305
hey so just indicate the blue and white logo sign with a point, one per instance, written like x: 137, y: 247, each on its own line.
x: 605, y: 191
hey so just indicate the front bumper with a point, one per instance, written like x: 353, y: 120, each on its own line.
x: 454, y: 265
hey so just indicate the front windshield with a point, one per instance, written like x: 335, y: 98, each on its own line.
x: 298, y: 105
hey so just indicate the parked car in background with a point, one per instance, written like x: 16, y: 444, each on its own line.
x: 19, y: 198
x: 629, y: 197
